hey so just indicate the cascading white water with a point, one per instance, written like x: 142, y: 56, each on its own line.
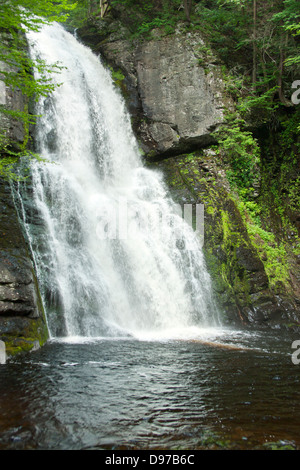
x: 105, y: 262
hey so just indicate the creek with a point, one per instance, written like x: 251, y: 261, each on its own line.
x: 170, y: 394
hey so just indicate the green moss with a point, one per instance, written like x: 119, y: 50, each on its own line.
x: 226, y: 226
x: 117, y: 75
x: 210, y: 210
x: 20, y: 346
x: 272, y: 253
x: 278, y: 445
x: 16, y: 345
x: 119, y: 80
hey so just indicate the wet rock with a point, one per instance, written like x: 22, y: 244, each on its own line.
x: 22, y: 320
x: 2, y: 353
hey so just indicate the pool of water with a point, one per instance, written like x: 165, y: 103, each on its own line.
x: 230, y: 388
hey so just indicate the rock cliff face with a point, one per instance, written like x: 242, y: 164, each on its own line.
x: 178, y: 100
x: 176, y: 96
x: 22, y: 322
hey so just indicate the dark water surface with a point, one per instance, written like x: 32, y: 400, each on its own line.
x: 130, y: 394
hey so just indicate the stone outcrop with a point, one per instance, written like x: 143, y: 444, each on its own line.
x: 181, y: 100
x: 174, y: 88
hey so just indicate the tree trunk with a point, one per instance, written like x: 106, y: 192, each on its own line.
x: 188, y: 9
x: 104, y: 6
x: 254, y: 66
x: 281, y: 71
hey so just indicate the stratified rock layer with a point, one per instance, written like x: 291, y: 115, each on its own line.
x: 22, y: 321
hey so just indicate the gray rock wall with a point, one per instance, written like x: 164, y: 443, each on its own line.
x: 174, y: 89
x: 181, y: 100
x: 22, y: 321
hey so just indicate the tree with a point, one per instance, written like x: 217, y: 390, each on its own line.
x: 287, y: 23
x: 254, y: 67
x: 271, y: 30
x: 289, y: 20
x: 104, y: 7
x: 188, y: 9
x: 16, y: 17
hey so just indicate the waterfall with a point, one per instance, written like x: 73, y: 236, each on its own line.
x: 113, y: 256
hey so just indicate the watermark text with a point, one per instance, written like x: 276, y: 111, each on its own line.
x: 296, y: 354
x: 122, y: 219
x: 296, y: 95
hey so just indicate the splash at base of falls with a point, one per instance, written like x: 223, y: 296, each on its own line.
x: 94, y: 284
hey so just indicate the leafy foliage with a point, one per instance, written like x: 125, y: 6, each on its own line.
x: 16, y: 17
x: 242, y: 152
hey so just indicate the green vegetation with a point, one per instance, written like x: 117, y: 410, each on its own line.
x: 140, y: 16
x: 17, y: 17
x: 273, y: 254
x: 242, y: 152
